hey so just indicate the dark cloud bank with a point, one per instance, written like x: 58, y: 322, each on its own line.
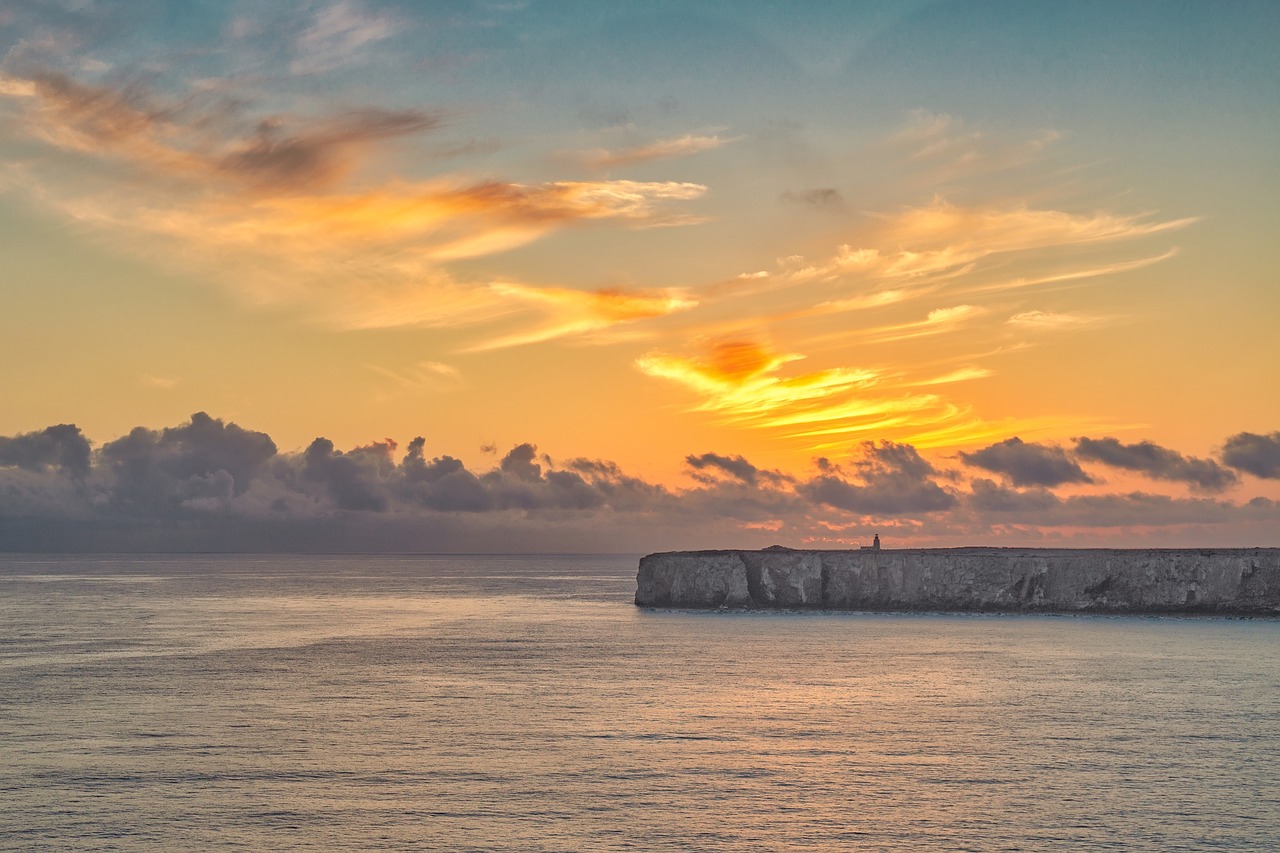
x: 208, y: 485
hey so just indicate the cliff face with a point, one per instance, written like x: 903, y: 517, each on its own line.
x: 1223, y: 581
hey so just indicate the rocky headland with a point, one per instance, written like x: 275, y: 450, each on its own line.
x: 1216, y: 581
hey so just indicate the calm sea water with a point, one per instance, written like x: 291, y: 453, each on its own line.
x: 523, y: 703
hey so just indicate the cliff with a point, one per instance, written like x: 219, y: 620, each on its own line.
x: 1225, y: 581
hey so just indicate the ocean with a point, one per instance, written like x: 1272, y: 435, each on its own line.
x: 270, y: 703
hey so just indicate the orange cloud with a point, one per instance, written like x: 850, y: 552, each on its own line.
x: 741, y: 380
x: 1048, y: 321
x: 738, y: 378
x: 269, y: 210
x: 966, y: 234
x: 944, y: 248
x: 577, y: 312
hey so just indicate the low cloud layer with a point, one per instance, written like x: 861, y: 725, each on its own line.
x: 888, y: 480
x: 1254, y: 454
x: 1158, y: 462
x: 1028, y: 464
x: 60, y: 446
x: 208, y: 484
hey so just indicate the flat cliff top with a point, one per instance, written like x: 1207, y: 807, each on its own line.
x: 979, y: 550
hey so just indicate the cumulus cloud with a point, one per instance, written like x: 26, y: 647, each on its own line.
x: 1027, y: 464
x: 351, y: 479
x: 1155, y: 461
x: 889, y: 479
x: 706, y: 465
x: 62, y: 446
x: 991, y: 497
x: 1254, y: 454
x: 203, y: 459
x: 208, y: 484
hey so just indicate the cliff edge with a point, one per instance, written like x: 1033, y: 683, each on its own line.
x: 1221, y: 581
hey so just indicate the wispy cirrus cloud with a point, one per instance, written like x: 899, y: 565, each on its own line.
x: 433, y: 220
x: 1080, y: 273
x: 943, y: 247
x: 936, y: 322
x: 206, y: 141
x: 339, y: 34
x: 658, y: 149
x: 416, y: 378
x: 280, y: 208
x: 943, y: 239
x: 17, y: 88
x: 951, y: 147
x: 739, y: 378
x: 744, y: 382
x: 1053, y: 321
x: 575, y: 312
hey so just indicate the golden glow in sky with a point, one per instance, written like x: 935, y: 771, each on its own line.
x: 520, y: 223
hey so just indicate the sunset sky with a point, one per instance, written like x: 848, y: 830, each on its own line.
x: 675, y: 274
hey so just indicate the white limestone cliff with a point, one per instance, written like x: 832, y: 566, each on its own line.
x: 1227, y: 581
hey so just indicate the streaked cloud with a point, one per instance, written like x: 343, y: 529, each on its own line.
x: 967, y: 373
x: 274, y: 210
x: 1050, y: 321
x: 738, y: 378
x: 207, y: 140
x: 16, y: 88
x: 339, y: 34
x: 576, y: 312
x: 417, y: 377
x: 952, y: 147
x: 947, y: 248
x: 658, y: 149
x: 742, y: 382
x: 1087, y: 272
x: 936, y: 322
x: 943, y: 236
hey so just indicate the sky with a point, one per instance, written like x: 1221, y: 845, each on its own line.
x: 569, y: 276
